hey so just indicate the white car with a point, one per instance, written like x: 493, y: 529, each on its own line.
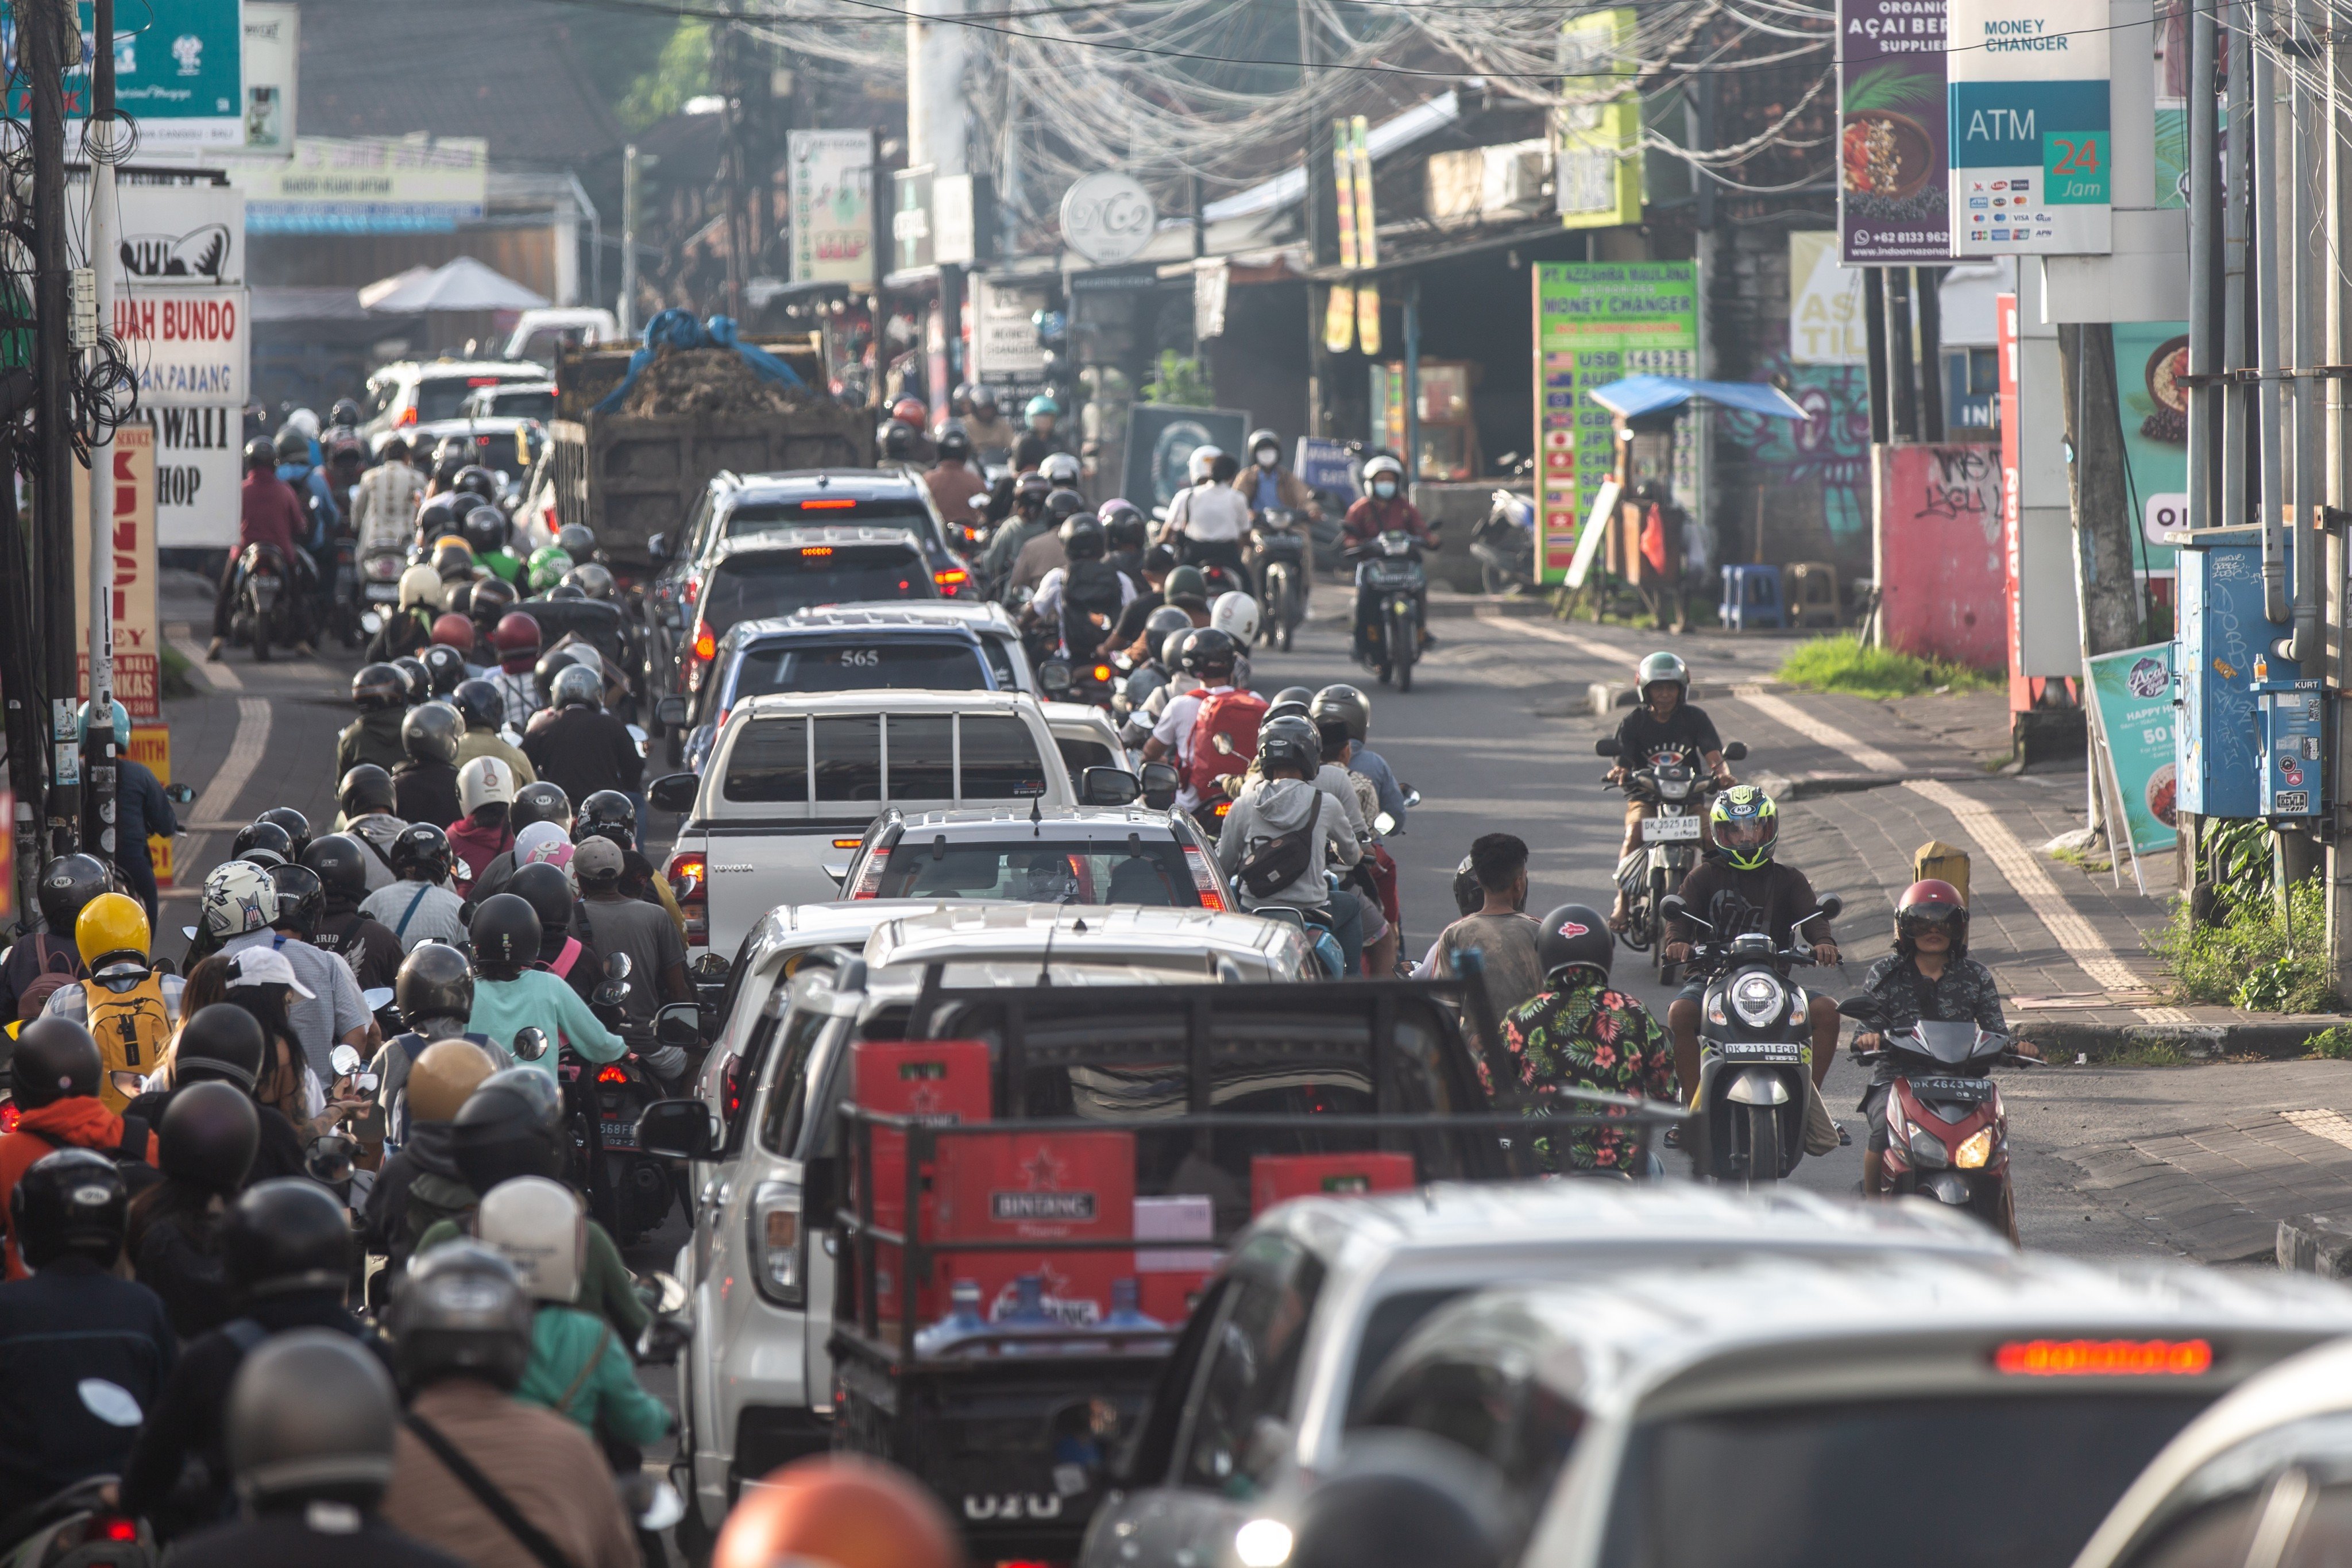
x: 1086, y: 735
x: 794, y: 779
x: 426, y: 392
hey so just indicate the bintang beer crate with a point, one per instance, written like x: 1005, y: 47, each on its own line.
x: 1275, y: 1177
x: 1039, y: 1186
x: 944, y: 1082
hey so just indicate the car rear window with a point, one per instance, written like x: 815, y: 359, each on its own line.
x: 1791, y: 1487
x: 769, y: 763
x: 755, y: 518
x: 775, y: 583
x: 1000, y: 759
x: 773, y: 761
x: 931, y: 664
x: 1078, y: 754
x: 1104, y: 869
x: 523, y: 404
x: 441, y: 396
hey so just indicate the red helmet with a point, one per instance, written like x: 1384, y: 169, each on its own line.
x: 911, y: 411
x: 516, y: 639
x: 456, y: 630
x: 1932, y: 905
x: 841, y: 1511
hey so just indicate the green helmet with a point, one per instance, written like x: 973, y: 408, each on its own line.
x: 1662, y: 667
x: 1746, y: 825
x: 1186, y: 582
x: 547, y: 565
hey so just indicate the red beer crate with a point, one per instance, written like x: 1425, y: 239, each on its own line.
x: 1038, y: 1187
x: 1275, y: 1177
x: 944, y: 1082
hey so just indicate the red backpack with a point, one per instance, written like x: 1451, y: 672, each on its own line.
x: 1235, y: 715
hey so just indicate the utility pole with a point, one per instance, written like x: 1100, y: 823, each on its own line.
x: 100, y: 740
x: 728, y: 63
x: 2094, y: 485
x: 45, y: 28
x: 1322, y: 197
x: 629, y: 177
x: 2338, y: 174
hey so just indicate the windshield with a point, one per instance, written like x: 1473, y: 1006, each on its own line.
x: 1837, y: 1483
x: 520, y: 404
x: 930, y: 665
x: 775, y: 583
x: 1123, y: 869
x: 444, y: 396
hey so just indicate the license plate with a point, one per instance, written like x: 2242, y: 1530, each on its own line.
x: 1971, y: 1091
x: 383, y: 593
x: 1670, y: 830
x: 1759, y: 1051
x: 619, y: 1135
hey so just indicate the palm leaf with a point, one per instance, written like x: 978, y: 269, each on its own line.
x: 1888, y: 87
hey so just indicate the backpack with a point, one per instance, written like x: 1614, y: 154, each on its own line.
x: 1272, y: 864
x: 1235, y: 716
x: 1091, y: 593
x: 131, y: 1026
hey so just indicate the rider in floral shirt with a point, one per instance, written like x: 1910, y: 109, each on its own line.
x: 1577, y: 1033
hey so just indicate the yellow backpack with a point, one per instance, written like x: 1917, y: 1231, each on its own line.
x: 130, y: 1025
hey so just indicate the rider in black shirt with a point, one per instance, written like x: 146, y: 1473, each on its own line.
x: 1665, y: 726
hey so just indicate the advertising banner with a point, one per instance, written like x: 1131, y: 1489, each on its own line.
x: 2131, y: 697
x: 178, y: 71
x: 1160, y: 438
x: 1826, y: 325
x: 2029, y: 128
x: 190, y: 347
x: 377, y: 184
x: 1597, y: 321
x: 2150, y: 358
x: 1006, y: 342
x: 1597, y: 169
x: 273, y: 34
x: 833, y: 207
x: 137, y: 641
x: 196, y: 475
x: 1892, y: 174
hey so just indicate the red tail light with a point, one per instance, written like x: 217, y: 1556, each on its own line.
x: 689, y: 872
x: 2104, y: 1358
x: 950, y: 580
x: 408, y: 416
x: 611, y: 1073
x: 706, y: 646
x: 827, y: 506
x: 687, y: 589
x: 1204, y: 880
x: 731, y: 1093
x: 9, y: 1116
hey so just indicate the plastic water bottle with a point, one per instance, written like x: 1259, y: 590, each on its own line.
x: 1126, y: 1314
x: 1028, y: 1315
x: 963, y: 1320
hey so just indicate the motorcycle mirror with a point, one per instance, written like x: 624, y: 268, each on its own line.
x: 159, y: 965
x: 179, y: 794
x: 637, y: 735
x: 188, y: 931
x: 371, y: 623
x: 1831, y: 906
x: 130, y: 1085
x: 344, y: 1059
x: 618, y: 967
x: 1861, y: 1009
x: 671, y: 711
x: 329, y: 1158
x: 612, y: 994
x: 1160, y: 784
x: 1674, y: 907
x: 1737, y: 751
x: 1385, y: 823
x: 1606, y: 746
x: 461, y: 869
x: 660, y: 1291
x: 1411, y: 797
x: 530, y: 1045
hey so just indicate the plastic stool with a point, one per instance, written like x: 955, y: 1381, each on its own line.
x: 1812, y: 593
x: 1751, y: 597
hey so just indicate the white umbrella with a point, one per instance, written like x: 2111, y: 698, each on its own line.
x: 463, y: 284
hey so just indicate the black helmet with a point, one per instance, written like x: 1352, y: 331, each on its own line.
x: 1292, y: 699
x: 548, y: 889
x: 479, y: 703
x: 511, y: 1125
x: 552, y: 663
x: 297, y: 825
x: 607, y: 814
x: 434, y: 982
x: 378, y: 686
x: 1124, y: 528
x: 955, y: 441
x: 70, y: 1201
x: 1206, y: 651
x: 445, y: 667
x: 454, y: 561
x: 431, y: 733
x: 1405, y: 1497
x: 981, y: 396
x: 541, y: 802
x: 293, y: 447
x: 420, y: 846
x: 1083, y: 538
x: 461, y: 1312
x: 222, y: 1041
x: 344, y: 415
x: 1346, y: 705
x: 67, y: 883
x: 485, y: 528
x: 1575, y: 936
x: 898, y: 440
x: 476, y: 479
x: 263, y: 843
x: 491, y: 601
x: 1064, y: 503
x: 572, y: 591
x: 1289, y: 743
x: 210, y: 1134
x: 1029, y: 493
x: 593, y: 578
x: 312, y: 1418
x: 285, y: 1235
x: 1162, y: 624
x: 418, y: 679
x: 365, y: 788
x: 56, y: 1059
x: 576, y: 540
x: 340, y: 863
x: 437, y: 517
x: 302, y: 897
x: 504, y: 933
x: 261, y: 454
x: 576, y: 685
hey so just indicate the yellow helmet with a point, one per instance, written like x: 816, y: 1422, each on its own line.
x: 443, y: 1076
x: 108, y: 926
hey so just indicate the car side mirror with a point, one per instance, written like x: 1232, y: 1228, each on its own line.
x: 657, y: 549
x: 678, y: 1130
x: 179, y: 794
x: 675, y: 792
x: 679, y: 1025
x: 1606, y: 746
x: 530, y: 1045
x: 1109, y: 786
x: 671, y: 711
x: 1161, y: 784
x: 1737, y: 751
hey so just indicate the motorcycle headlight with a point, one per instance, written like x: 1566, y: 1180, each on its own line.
x: 1675, y: 789
x: 1757, y: 998
x: 1926, y: 1149
x: 1974, y: 1152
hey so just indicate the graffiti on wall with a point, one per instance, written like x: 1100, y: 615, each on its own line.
x: 1830, y: 448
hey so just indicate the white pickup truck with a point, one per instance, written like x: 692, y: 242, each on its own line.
x: 793, y: 779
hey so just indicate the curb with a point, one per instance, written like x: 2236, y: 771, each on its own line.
x: 1605, y: 697
x: 2284, y: 1040
x: 1806, y: 787
x: 2315, y: 1244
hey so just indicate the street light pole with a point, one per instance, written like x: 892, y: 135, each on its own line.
x: 99, y: 739
x: 43, y: 28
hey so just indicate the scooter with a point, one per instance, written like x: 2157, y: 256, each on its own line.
x: 629, y: 1193
x: 348, y: 601
x: 1281, y: 547
x: 1094, y: 681
x: 1756, y: 1052
x: 380, y: 573
x: 269, y: 594
x: 1504, y: 544
x: 77, y: 1528
x: 1390, y: 574
x: 1671, y: 837
x: 1948, y: 1133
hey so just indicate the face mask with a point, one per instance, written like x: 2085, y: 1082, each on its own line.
x: 1266, y: 459
x: 1384, y: 489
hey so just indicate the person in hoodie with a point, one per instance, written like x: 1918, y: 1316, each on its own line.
x: 1285, y: 800
x: 56, y: 1068
x: 299, y: 467
x: 486, y: 791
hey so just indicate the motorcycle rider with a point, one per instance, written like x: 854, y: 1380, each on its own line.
x: 1207, y: 654
x: 517, y: 642
x: 224, y: 1043
x: 311, y: 1431
x: 326, y: 1006
x: 1285, y: 824
x: 1348, y: 709
x: 584, y: 749
x: 301, y: 466
x: 205, y: 1146
x: 609, y: 814
x: 128, y: 1005
x: 1267, y: 486
x: 1384, y: 511
x: 462, y: 1329
x: 1039, y: 441
x: 956, y: 489
x: 425, y: 785
x: 1663, y: 727
x: 420, y: 1183
x: 383, y: 506
x: 268, y: 514
x: 992, y: 433
x: 1082, y: 598
x: 1043, y: 553
x: 1028, y: 521
x: 512, y: 995
x: 58, y: 1070
x: 485, y: 790
x: 533, y: 804
x: 1929, y: 975
x: 1127, y: 533
x: 40, y: 961
x: 565, y: 949
x: 1739, y: 887
x: 444, y: 661
x: 342, y: 927
x: 483, y: 708
x: 1579, y: 1033
x: 643, y: 930
x: 409, y: 628
x: 490, y: 535
x: 366, y: 796
x: 83, y: 1353
x: 1505, y: 938
x: 141, y: 809
x: 1209, y: 523
x: 420, y: 907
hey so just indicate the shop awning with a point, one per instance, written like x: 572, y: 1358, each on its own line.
x: 463, y: 284
x: 1639, y: 395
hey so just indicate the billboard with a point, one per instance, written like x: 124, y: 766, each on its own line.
x: 1826, y: 323
x: 178, y: 71
x: 1597, y: 169
x: 2029, y: 128
x: 833, y: 207
x: 1892, y: 175
x: 366, y: 185
x: 138, y: 640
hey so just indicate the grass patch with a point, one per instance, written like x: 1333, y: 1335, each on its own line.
x: 175, y: 674
x: 2144, y: 1053
x: 2246, y: 960
x: 2084, y: 860
x: 2332, y: 1044
x: 1842, y: 664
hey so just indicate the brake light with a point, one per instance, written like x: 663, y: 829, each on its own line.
x: 408, y: 416
x: 689, y: 873
x: 2104, y: 1358
x: 826, y: 505
x: 689, y: 588
x: 706, y: 646
x: 112, y: 1529
x: 816, y: 550
x: 9, y: 1115
x: 870, y: 878
x: 950, y: 578
x: 732, y: 1092
x: 1102, y: 672
x: 612, y: 1073
x: 1222, y: 807
x: 481, y: 380
x: 1204, y: 880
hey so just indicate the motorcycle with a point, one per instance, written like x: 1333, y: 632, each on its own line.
x: 348, y: 600
x: 268, y: 601
x: 1671, y: 837
x: 1390, y: 585
x: 628, y: 1192
x: 1504, y: 544
x: 1755, y: 1052
x: 1093, y: 681
x: 1948, y: 1133
x: 380, y: 571
x: 79, y: 1528
x: 1281, y: 547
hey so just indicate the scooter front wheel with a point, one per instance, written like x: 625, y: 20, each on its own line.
x: 1763, y: 1145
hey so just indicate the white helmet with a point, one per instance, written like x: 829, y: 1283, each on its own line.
x: 1235, y: 614
x: 419, y: 586
x: 1383, y: 464
x: 1061, y: 470
x: 527, y: 841
x: 239, y: 897
x: 485, y: 781
x: 538, y: 1225
x: 305, y: 421
x: 1197, y: 466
